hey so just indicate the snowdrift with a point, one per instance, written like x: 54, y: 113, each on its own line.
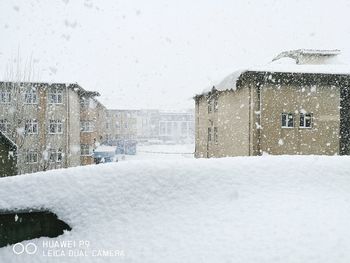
x: 257, y: 209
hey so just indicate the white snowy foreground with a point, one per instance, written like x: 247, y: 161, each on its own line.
x: 256, y: 209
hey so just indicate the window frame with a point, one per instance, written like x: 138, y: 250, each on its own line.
x: 87, y: 147
x: 287, y: 120
x: 209, y: 134
x: 216, y: 104
x: 31, y: 123
x: 54, y: 94
x: 33, y: 94
x: 55, y: 124
x: 56, y: 154
x: 6, y: 124
x: 85, y: 103
x: 303, y: 115
x: 87, y: 126
x: 5, y: 95
x: 29, y: 157
x: 216, y: 137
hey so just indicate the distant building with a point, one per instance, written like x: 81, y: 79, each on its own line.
x: 148, y: 125
x: 121, y: 124
x: 44, y: 122
x: 177, y: 127
x: 93, y: 127
x: 299, y: 107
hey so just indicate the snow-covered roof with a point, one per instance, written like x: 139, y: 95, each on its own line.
x: 75, y: 86
x: 286, y: 62
x: 8, y: 139
x: 299, y: 53
x: 228, y: 83
x: 332, y: 69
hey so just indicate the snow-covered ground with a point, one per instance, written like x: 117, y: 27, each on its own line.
x: 257, y: 209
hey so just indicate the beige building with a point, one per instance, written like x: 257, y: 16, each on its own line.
x: 93, y: 126
x: 297, y: 107
x: 150, y: 125
x: 121, y: 125
x: 176, y: 126
x: 43, y: 121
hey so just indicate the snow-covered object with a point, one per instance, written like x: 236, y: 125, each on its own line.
x: 257, y: 209
x: 105, y: 148
x: 310, y: 56
x: 288, y: 62
x: 333, y: 69
x: 228, y: 83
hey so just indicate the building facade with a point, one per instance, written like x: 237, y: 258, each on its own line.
x: 93, y: 127
x: 121, y: 125
x: 294, y: 109
x: 43, y: 120
x: 177, y: 127
x: 151, y: 125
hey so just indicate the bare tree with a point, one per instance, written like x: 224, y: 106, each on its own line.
x: 19, y: 72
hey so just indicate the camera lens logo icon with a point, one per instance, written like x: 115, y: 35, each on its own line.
x: 29, y: 248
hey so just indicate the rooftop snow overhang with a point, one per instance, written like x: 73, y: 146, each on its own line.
x: 234, y: 83
x: 84, y: 92
x: 299, y: 55
x: 75, y: 86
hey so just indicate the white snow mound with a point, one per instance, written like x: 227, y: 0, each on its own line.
x: 257, y: 209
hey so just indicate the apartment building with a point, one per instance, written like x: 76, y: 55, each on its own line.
x: 43, y: 121
x: 121, y: 125
x: 146, y: 125
x: 93, y: 127
x: 177, y: 127
x: 298, y: 104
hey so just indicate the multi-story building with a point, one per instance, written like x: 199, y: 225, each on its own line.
x: 298, y: 106
x: 122, y: 125
x: 177, y: 127
x: 93, y: 122
x: 43, y: 121
x: 145, y: 125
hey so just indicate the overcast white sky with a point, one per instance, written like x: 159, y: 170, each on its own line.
x: 156, y: 53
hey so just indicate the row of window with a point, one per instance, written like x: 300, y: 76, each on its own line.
x: 173, y: 127
x: 55, y: 156
x: 85, y: 149
x: 87, y: 126
x: 288, y: 119
x: 31, y: 126
x: 54, y: 127
x: 55, y: 96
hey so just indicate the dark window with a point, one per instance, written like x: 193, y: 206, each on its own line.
x: 287, y: 120
x: 215, y: 134
x: 305, y: 120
